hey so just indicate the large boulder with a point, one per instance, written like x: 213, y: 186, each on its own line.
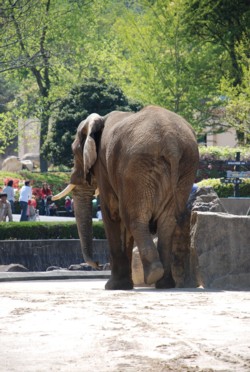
x: 14, y: 267
x: 27, y: 164
x: 12, y: 164
x: 222, y: 242
x: 33, y: 157
x: 205, y: 199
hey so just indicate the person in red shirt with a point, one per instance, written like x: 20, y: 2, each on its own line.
x: 31, y: 212
x: 45, y: 192
x: 68, y: 205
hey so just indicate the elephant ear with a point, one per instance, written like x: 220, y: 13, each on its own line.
x: 87, y: 129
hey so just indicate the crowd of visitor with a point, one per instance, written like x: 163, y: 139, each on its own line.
x: 32, y: 202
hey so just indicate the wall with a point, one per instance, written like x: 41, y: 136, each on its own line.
x: 228, y: 138
x: 38, y: 255
x: 222, y: 245
x: 238, y: 206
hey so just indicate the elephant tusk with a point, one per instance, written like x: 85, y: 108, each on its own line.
x: 61, y: 194
x: 96, y: 192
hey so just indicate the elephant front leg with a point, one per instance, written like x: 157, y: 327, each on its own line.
x: 121, y: 245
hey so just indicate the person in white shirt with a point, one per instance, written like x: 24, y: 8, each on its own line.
x: 99, y: 213
x: 25, y: 196
x: 9, y: 190
x: 5, y: 208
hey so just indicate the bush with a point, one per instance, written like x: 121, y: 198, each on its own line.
x: 211, y: 153
x: 45, y: 230
x: 226, y: 190
x: 213, y: 161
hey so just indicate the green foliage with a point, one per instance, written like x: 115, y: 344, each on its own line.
x: 226, y: 190
x: 46, y: 230
x: 57, y: 180
x: 7, y: 116
x: 225, y: 23
x: 237, y: 112
x: 93, y: 95
x: 37, y: 40
x: 223, y: 153
x: 160, y: 65
x: 183, y: 55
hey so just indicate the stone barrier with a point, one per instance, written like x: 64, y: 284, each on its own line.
x: 38, y: 255
x: 222, y: 243
x: 237, y: 206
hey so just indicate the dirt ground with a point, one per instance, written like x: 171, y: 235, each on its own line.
x: 77, y: 326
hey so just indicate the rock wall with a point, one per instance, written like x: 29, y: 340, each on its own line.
x: 222, y: 242
x: 237, y: 206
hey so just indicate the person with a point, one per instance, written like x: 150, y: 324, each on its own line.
x: 45, y: 192
x: 31, y: 211
x: 51, y: 207
x: 5, y: 208
x: 67, y: 205
x: 9, y: 190
x: 194, y: 188
x: 25, y: 195
x: 99, y: 213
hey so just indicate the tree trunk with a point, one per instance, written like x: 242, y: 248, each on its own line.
x: 43, y: 136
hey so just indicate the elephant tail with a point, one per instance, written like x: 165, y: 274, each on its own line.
x: 178, y: 212
x: 180, y: 189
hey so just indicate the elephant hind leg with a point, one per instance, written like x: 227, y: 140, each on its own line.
x: 153, y: 272
x: 166, y: 228
x: 152, y: 265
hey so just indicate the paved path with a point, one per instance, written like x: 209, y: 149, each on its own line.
x: 77, y: 326
x: 16, y: 217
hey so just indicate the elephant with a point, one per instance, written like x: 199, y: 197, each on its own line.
x: 144, y: 165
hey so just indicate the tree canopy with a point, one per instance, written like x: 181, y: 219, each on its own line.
x: 93, y: 95
x: 180, y: 54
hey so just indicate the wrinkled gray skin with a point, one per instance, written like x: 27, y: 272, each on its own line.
x: 144, y: 165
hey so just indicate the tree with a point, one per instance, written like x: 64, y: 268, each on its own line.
x: 225, y: 23
x: 159, y: 63
x: 32, y: 46
x: 237, y: 110
x: 7, y: 134
x: 93, y: 95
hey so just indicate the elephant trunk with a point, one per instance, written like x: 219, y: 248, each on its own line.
x: 83, y: 213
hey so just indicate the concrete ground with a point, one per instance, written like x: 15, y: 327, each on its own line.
x: 77, y: 326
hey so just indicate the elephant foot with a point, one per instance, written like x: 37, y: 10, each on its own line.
x: 122, y: 284
x: 153, y: 272
x: 165, y: 282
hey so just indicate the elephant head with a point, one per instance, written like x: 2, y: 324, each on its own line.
x: 82, y: 182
